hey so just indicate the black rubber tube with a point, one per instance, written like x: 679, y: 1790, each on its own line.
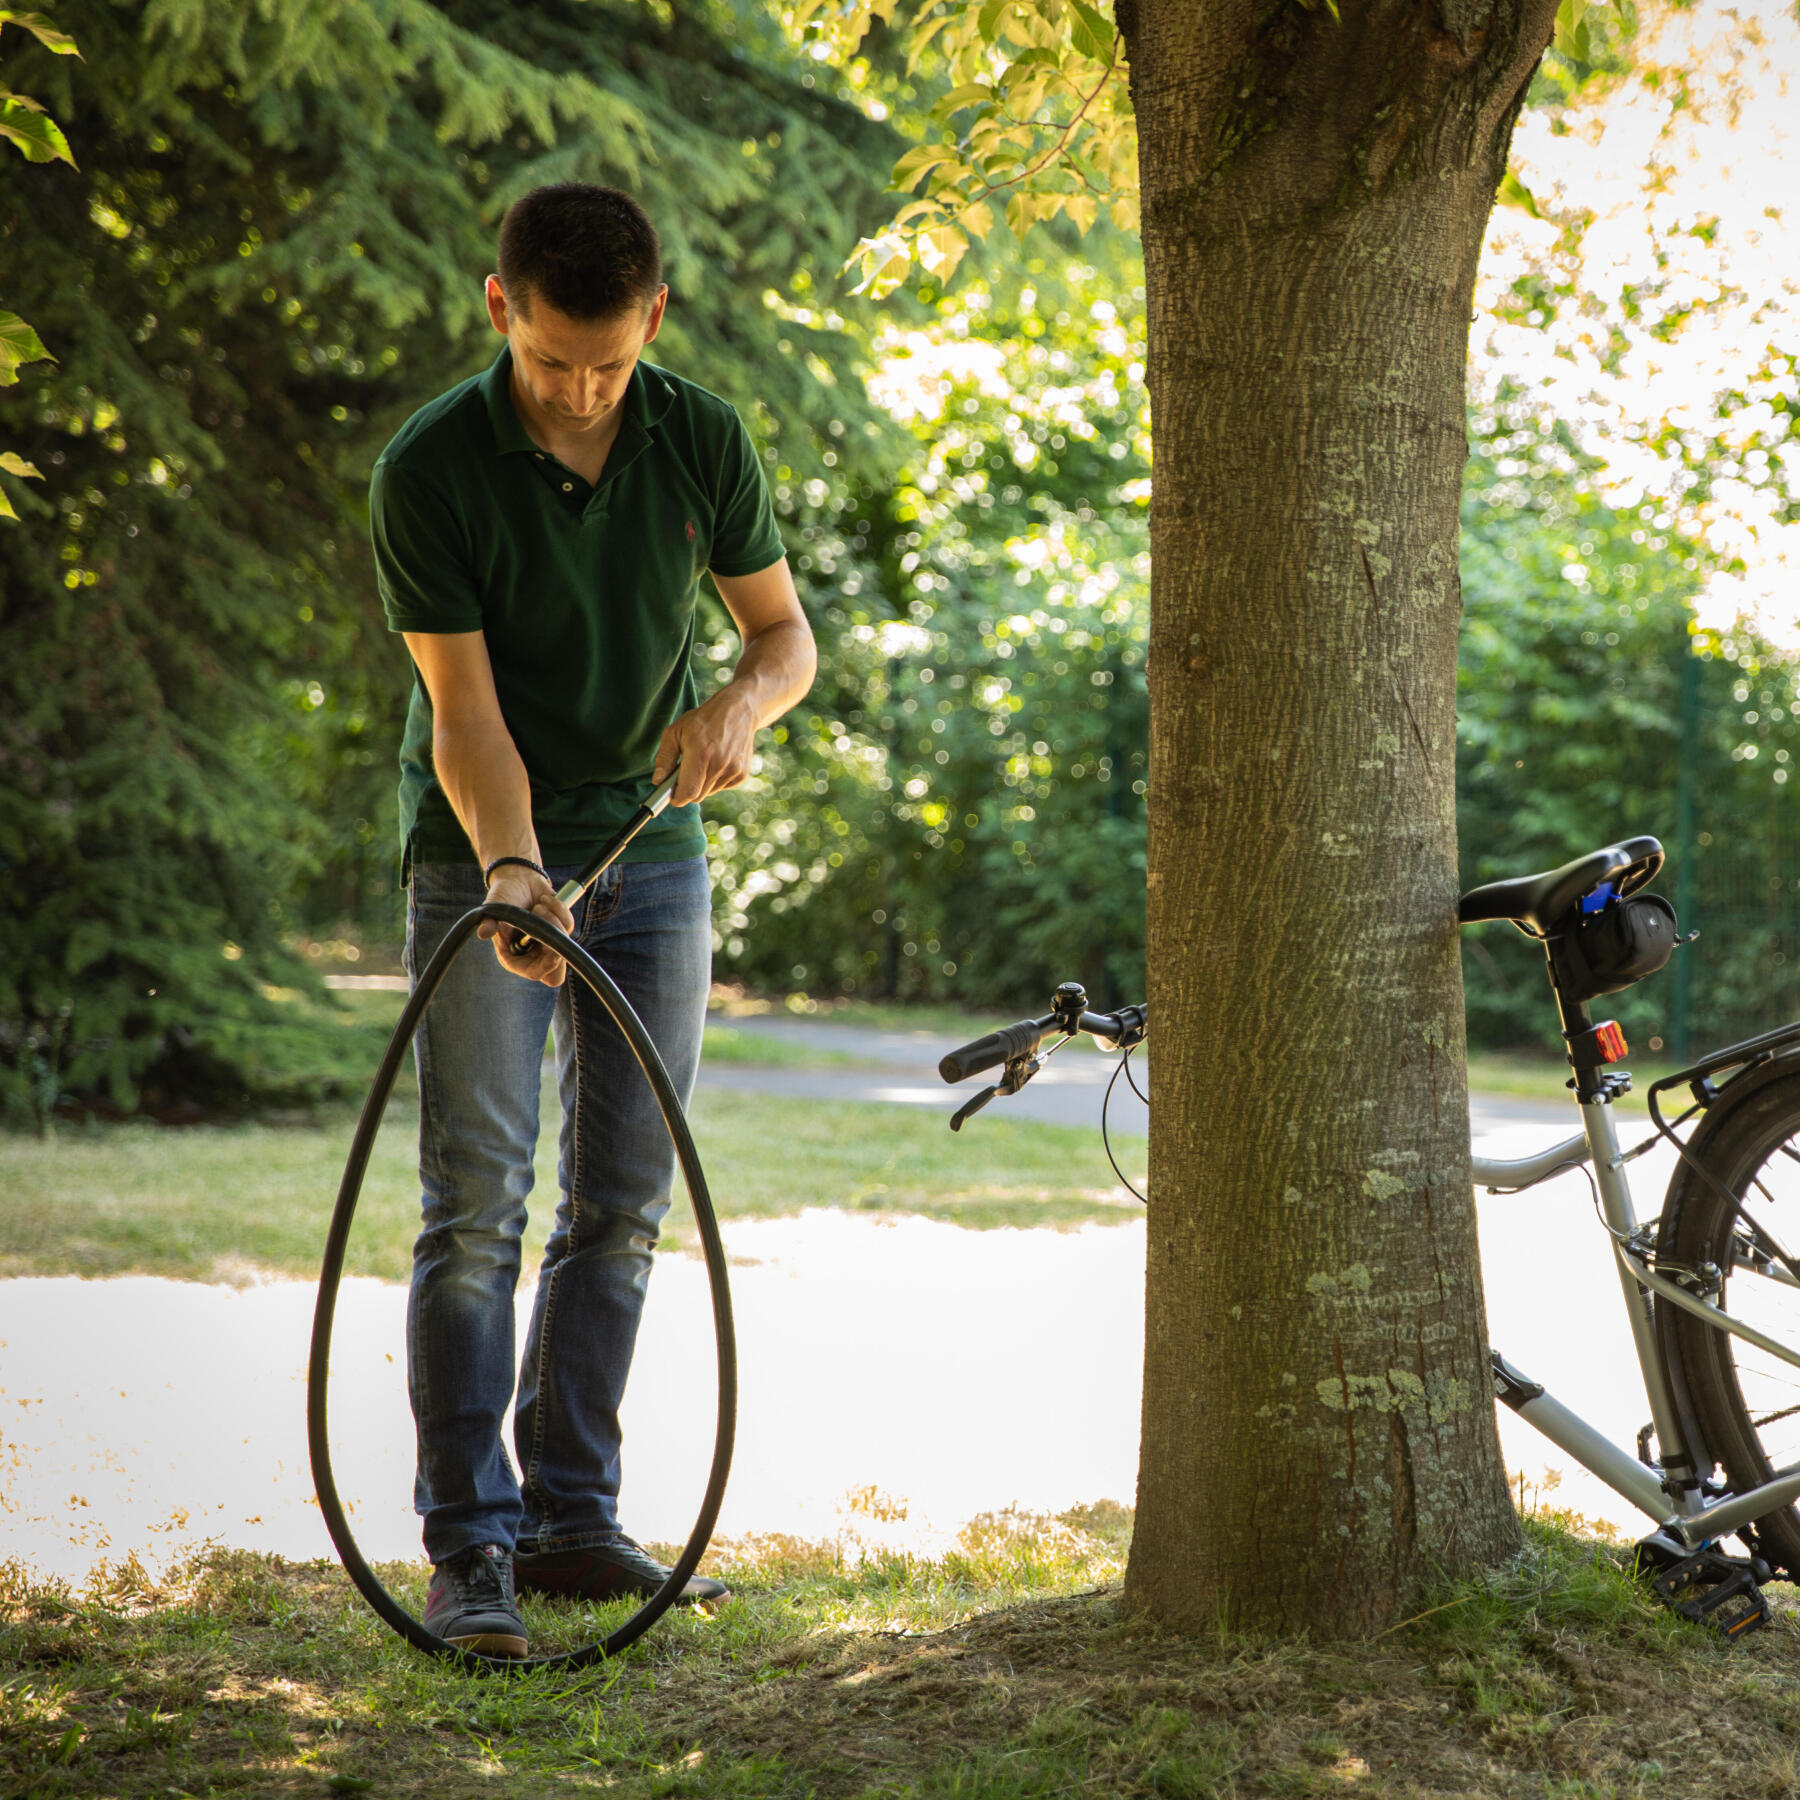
x: 389, y: 1610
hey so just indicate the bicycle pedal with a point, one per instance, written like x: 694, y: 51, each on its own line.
x: 1708, y: 1587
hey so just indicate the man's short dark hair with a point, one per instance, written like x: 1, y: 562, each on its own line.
x: 590, y: 252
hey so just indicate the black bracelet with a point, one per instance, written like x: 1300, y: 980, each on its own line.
x: 500, y: 862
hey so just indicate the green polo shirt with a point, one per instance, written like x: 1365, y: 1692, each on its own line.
x: 585, y: 594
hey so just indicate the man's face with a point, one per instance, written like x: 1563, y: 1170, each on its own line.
x: 574, y: 371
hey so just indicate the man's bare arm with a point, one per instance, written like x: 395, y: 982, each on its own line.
x: 479, y: 769
x: 715, y: 741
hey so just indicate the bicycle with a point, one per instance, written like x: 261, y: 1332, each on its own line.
x: 1720, y: 1456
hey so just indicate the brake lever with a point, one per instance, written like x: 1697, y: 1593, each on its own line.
x: 969, y: 1110
x: 1019, y: 1070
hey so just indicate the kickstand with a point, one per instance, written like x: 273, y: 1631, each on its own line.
x: 1706, y: 1586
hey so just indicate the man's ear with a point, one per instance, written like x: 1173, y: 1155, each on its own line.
x: 496, y: 306
x: 654, y: 322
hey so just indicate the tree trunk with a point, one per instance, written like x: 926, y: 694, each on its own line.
x: 1318, y: 1437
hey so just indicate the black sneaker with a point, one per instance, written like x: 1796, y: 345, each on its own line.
x: 606, y: 1572
x: 471, y: 1602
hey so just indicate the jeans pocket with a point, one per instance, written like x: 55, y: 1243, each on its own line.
x: 603, y: 900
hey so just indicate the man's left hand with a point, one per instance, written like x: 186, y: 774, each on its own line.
x: 714, y: 745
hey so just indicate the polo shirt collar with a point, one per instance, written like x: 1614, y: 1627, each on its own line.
x: 648, y: 397
x: 496, y: 389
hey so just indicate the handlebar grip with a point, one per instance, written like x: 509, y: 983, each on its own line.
x: 997, y: 1047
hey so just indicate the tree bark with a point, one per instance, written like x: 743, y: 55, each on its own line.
x: 1318, y: 1434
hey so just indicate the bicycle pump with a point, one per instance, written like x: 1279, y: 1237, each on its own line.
x: 582, y: 963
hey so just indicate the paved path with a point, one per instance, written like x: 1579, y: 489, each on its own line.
x: 903, y: 1071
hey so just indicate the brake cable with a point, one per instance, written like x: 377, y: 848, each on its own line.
x: 1105, y: 1105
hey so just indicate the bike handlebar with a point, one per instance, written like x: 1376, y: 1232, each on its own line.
x: 1023, y: 1038
x: 997, y: 1047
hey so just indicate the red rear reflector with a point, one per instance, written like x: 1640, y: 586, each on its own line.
x: 1610, y: 1041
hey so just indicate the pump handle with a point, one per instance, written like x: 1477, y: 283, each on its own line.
x: 608, y: 853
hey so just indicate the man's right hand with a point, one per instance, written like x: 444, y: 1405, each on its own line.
x: 529, y: 891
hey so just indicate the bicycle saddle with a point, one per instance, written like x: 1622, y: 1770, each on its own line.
x: 1537, y: 903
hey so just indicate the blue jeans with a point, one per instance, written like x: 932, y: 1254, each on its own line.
x: 480, y: 1050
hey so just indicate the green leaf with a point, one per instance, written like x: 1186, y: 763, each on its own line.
x: 885, y: 262
x: 1082, y: 209
x: 971, y: 93
x: 35, y: 132
x: 1090, y: 33
x: 6, y: 507
x: 919, y: 161
x: 1513, y: 192
x: 1026, y: 95
x: 14, y: 464
x: 917, y: 209
x: 1571, y: 29
x: 18, y: 344
x: 978, y: 218
x: 1073, y: 159
x: 941, y: 249
x: 40, y: 28
x: 985, y: 136
x: 921, y: 39
x: 988, y: 22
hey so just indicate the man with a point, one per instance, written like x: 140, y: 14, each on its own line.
x: 540, y: 532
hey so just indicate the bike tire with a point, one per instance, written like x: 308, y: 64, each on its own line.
x: 1739, y: 1406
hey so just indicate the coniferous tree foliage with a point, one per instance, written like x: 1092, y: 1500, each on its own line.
x: 270, y: 255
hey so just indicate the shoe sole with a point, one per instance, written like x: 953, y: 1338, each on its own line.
x: 491, y: 1643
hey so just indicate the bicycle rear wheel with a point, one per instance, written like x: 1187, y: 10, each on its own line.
x: 1740, y: 1406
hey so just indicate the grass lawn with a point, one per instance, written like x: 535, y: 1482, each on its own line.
x: 733, y: 1044
x: 883, y: 1015
x: 1007, y: 1669
x: 201, y: 1202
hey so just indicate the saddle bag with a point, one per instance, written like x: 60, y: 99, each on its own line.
x: 1611, y: 949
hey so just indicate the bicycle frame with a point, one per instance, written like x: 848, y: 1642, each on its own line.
x: 1675, y: 1502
